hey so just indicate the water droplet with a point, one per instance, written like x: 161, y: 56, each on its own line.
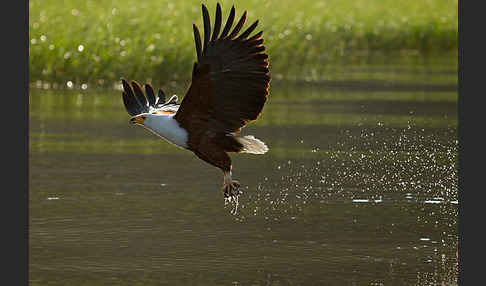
x: 80, y: 48
x: 69, y: 84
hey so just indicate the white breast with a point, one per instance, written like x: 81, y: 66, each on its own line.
x: 168, y: 128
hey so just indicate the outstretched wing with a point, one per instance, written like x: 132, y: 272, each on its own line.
x: 230, y: 78
x: 136, y: 102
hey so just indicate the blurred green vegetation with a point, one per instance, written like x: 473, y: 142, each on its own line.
x: 98, y: 42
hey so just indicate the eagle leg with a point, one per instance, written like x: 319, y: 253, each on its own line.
x: 231, y: 188
x: 216, y: 156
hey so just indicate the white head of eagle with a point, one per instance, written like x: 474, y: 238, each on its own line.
x: 163, y: 125
x: 229, y: 88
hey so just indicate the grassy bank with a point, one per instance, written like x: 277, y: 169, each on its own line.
x: 100, y: 41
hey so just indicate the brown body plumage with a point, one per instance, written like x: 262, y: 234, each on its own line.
x: 229, y: 88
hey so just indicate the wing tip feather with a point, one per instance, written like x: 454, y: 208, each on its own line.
x: 197, y: 41
x: 207, y: 26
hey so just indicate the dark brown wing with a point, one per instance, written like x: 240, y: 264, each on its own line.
x: 230, y: 78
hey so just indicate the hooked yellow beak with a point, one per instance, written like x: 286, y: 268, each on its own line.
x: 138, y: 119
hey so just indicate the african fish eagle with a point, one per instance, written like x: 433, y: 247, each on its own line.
x: 229, y: 88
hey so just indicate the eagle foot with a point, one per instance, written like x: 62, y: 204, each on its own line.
x: 231, y: 190
x: 231, y: 193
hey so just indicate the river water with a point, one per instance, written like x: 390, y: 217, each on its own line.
x: 359, y: 187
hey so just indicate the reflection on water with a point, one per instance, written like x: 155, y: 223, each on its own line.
x: 359, y: 188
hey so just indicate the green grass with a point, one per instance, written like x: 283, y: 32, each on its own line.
x: 98, y: 42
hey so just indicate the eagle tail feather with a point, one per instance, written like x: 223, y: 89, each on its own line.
x: 252, y: 145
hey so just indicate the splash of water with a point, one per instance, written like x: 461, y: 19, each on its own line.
x: 382, y: 165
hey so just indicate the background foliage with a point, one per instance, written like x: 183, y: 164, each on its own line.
x: 98, y: 42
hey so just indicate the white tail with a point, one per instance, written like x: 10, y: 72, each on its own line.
x: 252, y: 145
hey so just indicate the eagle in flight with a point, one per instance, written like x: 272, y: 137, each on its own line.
x: 229, y: 88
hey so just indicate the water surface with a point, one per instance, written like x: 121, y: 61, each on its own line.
x: 359, y: 188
